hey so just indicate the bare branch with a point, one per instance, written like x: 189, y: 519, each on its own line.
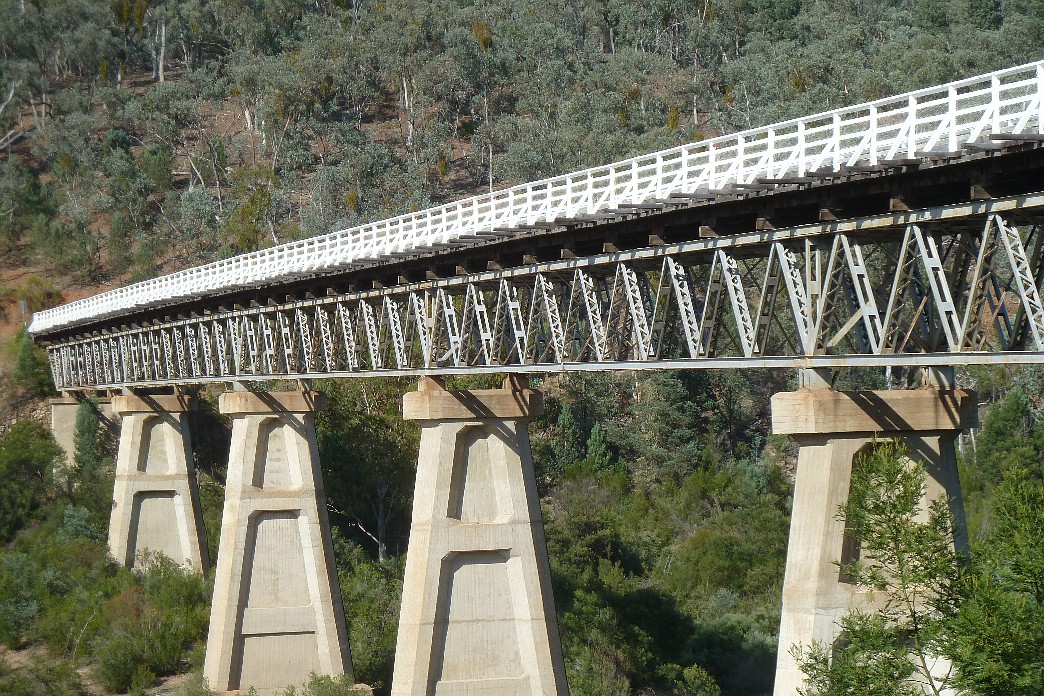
x: 10, y: 95
x: 10, y: 138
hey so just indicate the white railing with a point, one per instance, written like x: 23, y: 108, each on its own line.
x: 936, y: 118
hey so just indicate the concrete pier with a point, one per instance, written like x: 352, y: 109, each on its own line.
x: 477, y: 612
x: 63, y: 424
x: 277, y: 614
x: 830, y: 429
x: 156, y: 499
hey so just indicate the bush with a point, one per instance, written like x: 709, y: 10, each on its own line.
x: 153, y: 624
x: 323, y: 685
x: 153, y: 645
x: 156, y: 163
x: 32, y: 371
x: 42, y: 678
x: 28, y: 453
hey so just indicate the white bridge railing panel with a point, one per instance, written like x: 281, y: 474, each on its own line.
x: 937, y: 118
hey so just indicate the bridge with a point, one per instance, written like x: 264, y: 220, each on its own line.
x: 906, y: 232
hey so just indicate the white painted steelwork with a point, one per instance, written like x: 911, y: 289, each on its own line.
x: 942, y: 118
x: 885, y: 290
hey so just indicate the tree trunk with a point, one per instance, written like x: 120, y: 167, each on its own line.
x: 382, y: 528
x: 162, y: 48
x: 155, y: 53
x: 489, y: 127
x: 407, y: 104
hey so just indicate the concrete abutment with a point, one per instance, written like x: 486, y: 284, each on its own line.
x: 277, y: 614
x: 830, y: 429
x: 477, y: 612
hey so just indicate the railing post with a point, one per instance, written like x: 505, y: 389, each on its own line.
x: 1040, y: 97
x: 836, y: 137
x: 801, y: 148
x: 911, y: 134
x: 951, y: 110
x: 659, y: 174
x: 995, y: 103
x: 771, y: 154
x: 590, y: 191
x: 872, y: 122
x: 741, y: 146
x: 713, y: 166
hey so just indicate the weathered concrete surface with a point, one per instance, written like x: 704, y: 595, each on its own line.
x: 830, y: 429
x: 156, y: 498
x: 63, y: 424
x: 477, y: 613
x: 277, y: 614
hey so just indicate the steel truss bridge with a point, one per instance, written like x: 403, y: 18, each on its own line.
x: 906, y: 231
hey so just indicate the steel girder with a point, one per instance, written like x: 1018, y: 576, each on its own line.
x: 958, y: 284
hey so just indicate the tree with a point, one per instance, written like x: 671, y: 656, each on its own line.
x: 32, y: 371
x: 996, y: 638
x: 907, y: 558
x: 86, y: 436
x: 983, y: 14
x: 869, y: 658
x: 28, y: 454
x: 89, y: 482
x: 368, y: 455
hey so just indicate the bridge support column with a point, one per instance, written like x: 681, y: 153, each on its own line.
x: 277, y: 614
x: 63, y: 425
x: 830, y: 429
x: 477, y: 612
x: 155, y: 499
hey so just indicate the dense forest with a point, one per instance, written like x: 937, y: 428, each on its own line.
x: 141, y: 136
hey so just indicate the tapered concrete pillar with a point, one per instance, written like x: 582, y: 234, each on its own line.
x: 156, y: 499
x: 63, y: 424
x: 277, y: 614
x: 477, y: 616
x: 830, y: 429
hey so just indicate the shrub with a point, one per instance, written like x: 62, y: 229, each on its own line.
x: 324, y: 685
x: 28, y: 453
x: 152, y: 624
x: 32, y: 371
x: 42, y: 678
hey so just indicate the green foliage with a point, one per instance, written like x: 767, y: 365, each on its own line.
x: 870, y: 657
x: 59, y: 586
x: 43, y: 678
x: 28, y: 454
x: 371, y: 591
x: 666, y: 557
x: 32, y: 370
x: 368, y: 455
x: 323, y: 685
x: 39, y: 294
x: 196, y: 686
x: 983, y: 14
x: 906, y: 556
x: 156, y: 163
x: 89, y: 481
x: 1010, y: 437
x: 152, y: 624
x: 87, y: 450
x: 996, y: 639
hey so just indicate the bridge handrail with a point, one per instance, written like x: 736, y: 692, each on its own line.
x: 944, y: 117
